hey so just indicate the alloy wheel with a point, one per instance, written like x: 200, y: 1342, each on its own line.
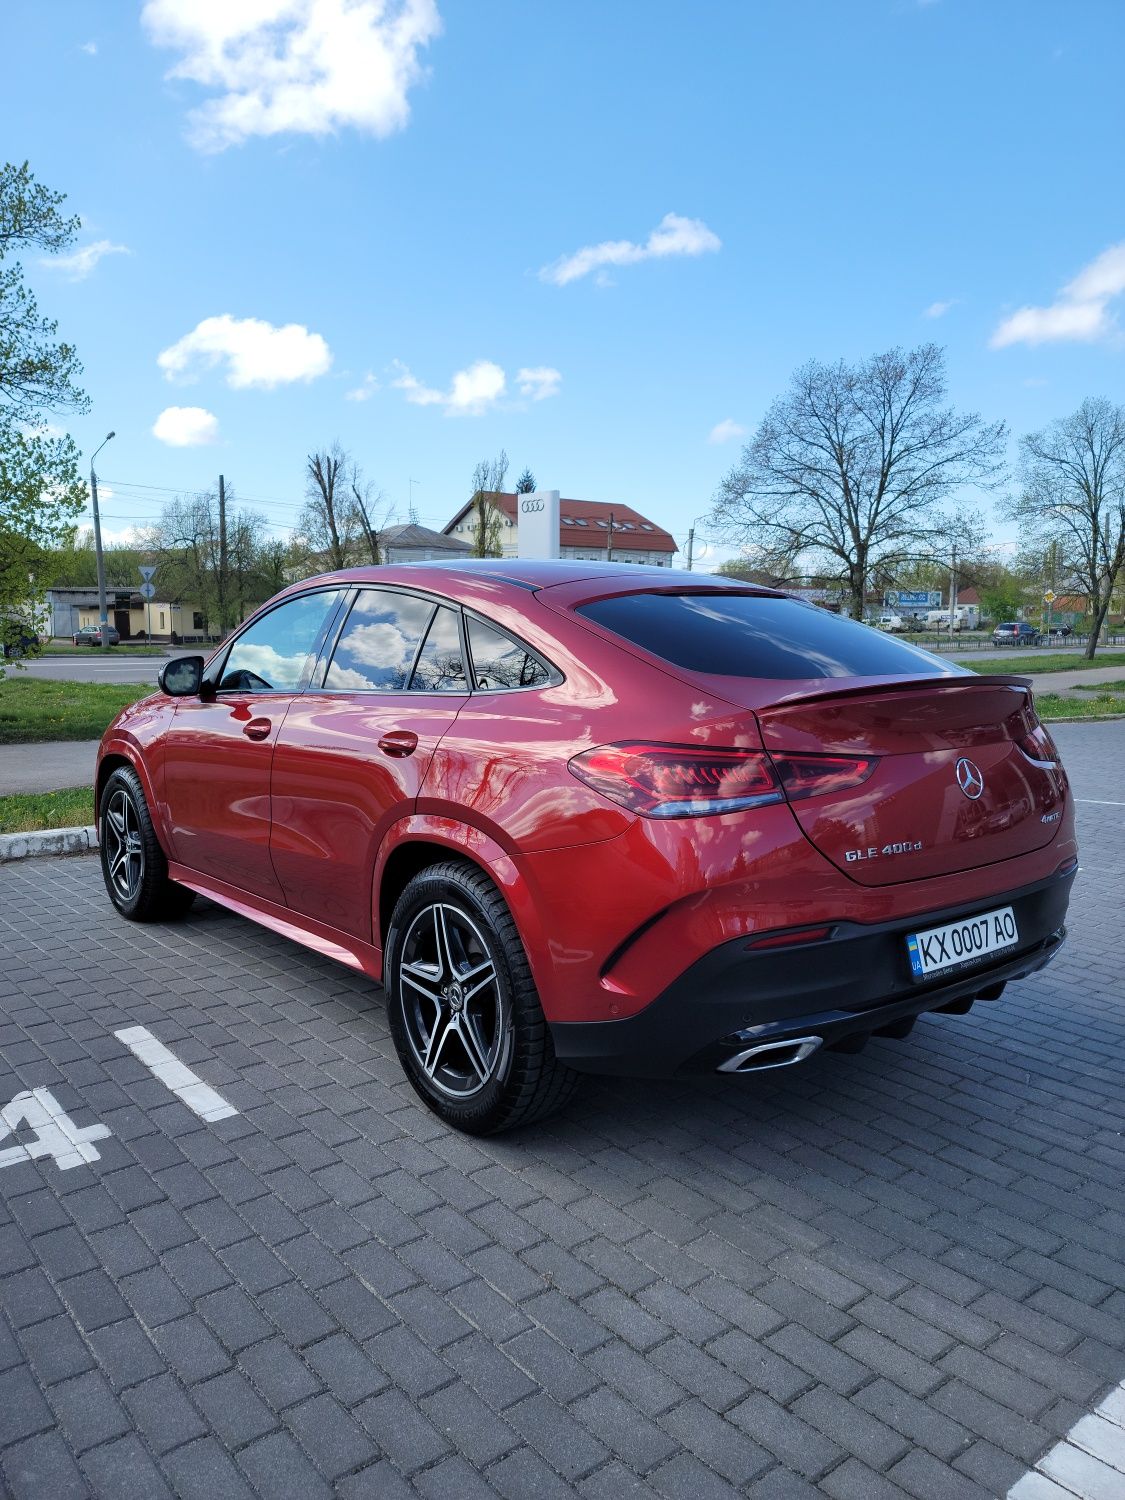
x: 455, y: 1014
x: 124, y: 847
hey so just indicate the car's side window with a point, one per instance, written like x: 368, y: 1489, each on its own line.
x: 440, y: 668
x: 379, y: 641
x: 501, y: 663
x: 275, y: 653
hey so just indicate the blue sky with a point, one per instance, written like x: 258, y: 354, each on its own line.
x: 841, y: 178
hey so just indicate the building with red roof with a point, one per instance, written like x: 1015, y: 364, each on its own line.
x: 588, y: 529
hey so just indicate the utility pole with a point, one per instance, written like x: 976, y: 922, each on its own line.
x: 411, y: 512
x: 609, y: 540
x: 952, y: 591
x: 690, y: 545
x: 224, y: 623
x: 103, y: 616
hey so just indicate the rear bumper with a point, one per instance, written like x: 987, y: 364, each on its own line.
x: 853, y: 983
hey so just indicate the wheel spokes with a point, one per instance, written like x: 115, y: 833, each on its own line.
x: 475, y: 1051
x: 444, y: 975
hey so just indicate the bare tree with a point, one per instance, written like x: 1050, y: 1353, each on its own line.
x: 328, y: 521
x: 371, y: 513
x: 1073, y: 494
x: 488, y: 479
x: 850, y: 471
x: 196, y: 567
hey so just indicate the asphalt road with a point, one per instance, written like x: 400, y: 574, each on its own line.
x: 92, y: 666
x: 890, y: 1274
x: 95, y: 666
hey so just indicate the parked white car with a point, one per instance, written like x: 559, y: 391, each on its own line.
x: 888, y: 620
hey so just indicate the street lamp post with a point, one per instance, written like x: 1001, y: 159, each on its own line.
x: 691, y: 541
x: 102, y: 614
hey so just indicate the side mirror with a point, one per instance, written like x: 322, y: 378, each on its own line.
x: 182, y: 678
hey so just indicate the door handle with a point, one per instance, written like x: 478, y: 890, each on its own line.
x: 257, y: 729
x: 398, y: 742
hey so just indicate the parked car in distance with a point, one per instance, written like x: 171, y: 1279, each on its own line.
x: 588, y: 817
x: 888, y: 620
x: 1016, y: 633
x: 15, y: 638
x: 91, y: 635
x: 1062, y: 629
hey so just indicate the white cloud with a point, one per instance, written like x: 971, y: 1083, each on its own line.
x: 186, y: 427
x: 306, y: 66
x: 1079, y: 314
x: 539, y: 382
x: 365, y: 390
x: 674, y: 235
x: 255, y: 353
x: 939, y: 309
x: 78, y: 265
x: 471, y: 392
x: 726, y: 431
x: 90, y: 48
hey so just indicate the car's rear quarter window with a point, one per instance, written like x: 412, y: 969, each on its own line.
x: 750, y: 635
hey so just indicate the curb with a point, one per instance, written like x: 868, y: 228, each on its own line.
x: 47, y: 841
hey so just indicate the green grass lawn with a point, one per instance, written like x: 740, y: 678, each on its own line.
x: 73, y: 808
x: 33, y: 709
x: 66, y: 648
x: 1094, y: 703
x: 1053, y: 661
x: 1102, y: 687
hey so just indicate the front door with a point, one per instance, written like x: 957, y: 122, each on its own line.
x: 354, y: 750
x: 220, y: 747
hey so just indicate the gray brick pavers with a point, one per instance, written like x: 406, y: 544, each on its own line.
x: 893, y: 1273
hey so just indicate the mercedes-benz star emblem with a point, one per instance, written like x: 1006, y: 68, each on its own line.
x: 969, y: 778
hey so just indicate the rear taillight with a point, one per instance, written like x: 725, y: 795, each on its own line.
x: 1039, y: 747
x: 677, y: 781
x: 816, y: 775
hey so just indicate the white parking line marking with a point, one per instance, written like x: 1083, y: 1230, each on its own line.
x: 1097, y: 802
x: 1088, y: 1464
x: 197, y: 1095
x: 56, y: 1134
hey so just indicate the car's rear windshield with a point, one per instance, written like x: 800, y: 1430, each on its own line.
x: 750, y: 635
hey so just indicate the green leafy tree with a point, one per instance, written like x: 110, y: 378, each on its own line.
x: 525, y: 484
x: 41, y: 493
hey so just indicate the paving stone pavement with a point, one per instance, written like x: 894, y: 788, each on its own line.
x: 897, y: 1273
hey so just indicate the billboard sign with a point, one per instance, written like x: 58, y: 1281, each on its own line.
x: 912, y: 598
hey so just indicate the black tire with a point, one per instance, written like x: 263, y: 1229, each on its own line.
x: 134, y: 867
x: 463, y: 1008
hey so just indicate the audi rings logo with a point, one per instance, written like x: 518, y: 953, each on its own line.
x: 969, y: 778
x: 529, y: 507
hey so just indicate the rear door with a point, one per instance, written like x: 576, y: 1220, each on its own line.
x: 219, y: 748
x: 355, y: 747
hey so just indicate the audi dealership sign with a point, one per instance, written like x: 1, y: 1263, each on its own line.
x: 537, y: 523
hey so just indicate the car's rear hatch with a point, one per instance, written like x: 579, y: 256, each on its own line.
x: 897, y: 765
x: 961, y: 778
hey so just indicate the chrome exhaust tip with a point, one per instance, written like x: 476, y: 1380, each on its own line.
x: 768, y: 1055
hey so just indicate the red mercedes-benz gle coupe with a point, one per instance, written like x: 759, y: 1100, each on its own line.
x: 580, y: 817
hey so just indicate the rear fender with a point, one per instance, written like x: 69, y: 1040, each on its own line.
x: 510, y: 876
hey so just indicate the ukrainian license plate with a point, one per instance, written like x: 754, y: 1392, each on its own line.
x: 959, y: 945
